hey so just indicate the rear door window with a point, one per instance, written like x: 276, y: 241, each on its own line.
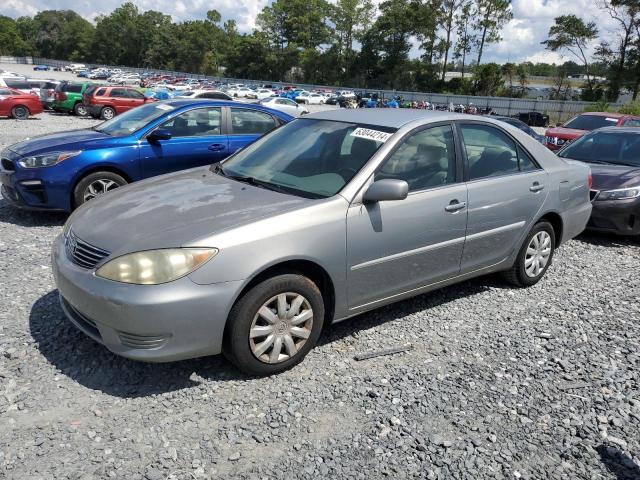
x: 119, y: 93
x: 135, y: 94
x: 244, y: 121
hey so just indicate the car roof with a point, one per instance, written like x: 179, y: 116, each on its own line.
x: 188, y: 102
x: 607, y: 114
x: 387, y: 117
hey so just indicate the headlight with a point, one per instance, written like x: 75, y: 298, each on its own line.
x: 153, y: 267
x: 620, y: 194
x: 46, y: 159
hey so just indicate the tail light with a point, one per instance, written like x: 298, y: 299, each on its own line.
x: 61, y: 96
x: 590, y: 180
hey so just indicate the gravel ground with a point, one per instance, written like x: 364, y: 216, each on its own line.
x: 501, y: 383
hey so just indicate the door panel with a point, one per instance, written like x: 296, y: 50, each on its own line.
x: 196, y: 141
x: 396, y: 246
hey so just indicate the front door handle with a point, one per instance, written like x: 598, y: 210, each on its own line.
x: 455, y: 205
x: 536, y: 187
x: 216, y: 147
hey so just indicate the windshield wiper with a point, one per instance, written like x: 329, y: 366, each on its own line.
x: 258, y: 183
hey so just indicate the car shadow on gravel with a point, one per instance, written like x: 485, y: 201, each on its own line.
x: 28, y: 218
x: 618, y: 463
x: 93, y: 366
x: 608, y: 240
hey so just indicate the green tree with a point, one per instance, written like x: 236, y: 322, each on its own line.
x: 509, y: 71
x: 351, y: 19
x: 488, y: 79
x: 491, y: 16
x: 11, y: 43
x: 448, y: 11
x: 61, y: 34
x: 464, y: 32
x: 572, y: 34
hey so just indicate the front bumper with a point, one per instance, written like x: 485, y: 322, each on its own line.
x: 621, y: 217
x: 154, y: 323
x: 30, y: 189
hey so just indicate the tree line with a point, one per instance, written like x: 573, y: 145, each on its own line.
x: 349, y: 42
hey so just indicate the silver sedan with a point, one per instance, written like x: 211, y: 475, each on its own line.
x: 329, y: 216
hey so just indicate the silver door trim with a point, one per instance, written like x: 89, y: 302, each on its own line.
x: 408, y: 253
x: 493, y: 231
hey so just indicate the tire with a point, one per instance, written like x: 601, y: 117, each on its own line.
x: 80, y: 110
x: 107, y: 113
x: 20, y: 112
x: 523, y: 273
x: 98, y: 182
x: 247, y: 353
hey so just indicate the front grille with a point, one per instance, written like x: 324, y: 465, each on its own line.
x: 7, y: 165
x: 593, y: 194
x: 82, y: 253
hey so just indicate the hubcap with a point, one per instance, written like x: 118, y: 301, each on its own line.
x: 281, y: 327
x: 20, y: 112
x: 108, y: 114
x: 538, y: 254
x: 99, y: 187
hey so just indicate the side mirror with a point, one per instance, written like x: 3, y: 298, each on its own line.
x: 386, y: 190
x: 159, y: 134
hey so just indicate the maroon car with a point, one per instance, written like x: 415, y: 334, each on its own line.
x: 614, y: 157
x: 19, y: 105
x: 558, y: 137
x: 105, y: 101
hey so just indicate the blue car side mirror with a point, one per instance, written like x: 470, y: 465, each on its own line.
x: 159, y: 134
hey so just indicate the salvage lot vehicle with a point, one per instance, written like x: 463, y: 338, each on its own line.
x: 284, y: 105
x: 310, y: 98
x: 519, y: 124
x: 210, y: 94
x: 556, y: 138
x: 329, y: 216
x: 61, y: 171
x: 614, y: 157
x: 108, y: 101
x: 68, y: 98
x: 18, y: 105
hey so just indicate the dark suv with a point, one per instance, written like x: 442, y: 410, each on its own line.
x: 104, y: 101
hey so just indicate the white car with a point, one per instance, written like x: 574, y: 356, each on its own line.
x: 284, y: 105
x: 75, y: 67
x: 345, y: 94
x: 239, y: 92
x: 210, y: 94
x: 261, y: 93
x: 310, y: 98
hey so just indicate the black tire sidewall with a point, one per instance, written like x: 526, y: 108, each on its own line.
x: 102, y: 115
x: 525, y: 279
x: 76, y: 109
x: 236, y: 342
x: 18, y: 108
x: 78, y: 191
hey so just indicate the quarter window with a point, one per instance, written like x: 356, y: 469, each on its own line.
x: 424, y: 160
x: 100, y: 92
x: 200, y: 122
x: 492, y: 153
x: 251, y: 122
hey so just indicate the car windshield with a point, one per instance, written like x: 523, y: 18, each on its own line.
x: 591, y: 122
x: 621, y: 148
x: 133, y: 120
x: 309, y: 158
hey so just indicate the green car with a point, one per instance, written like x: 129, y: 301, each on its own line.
x: 68, y: 98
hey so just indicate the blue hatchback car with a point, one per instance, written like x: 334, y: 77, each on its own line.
x: 63, y: 170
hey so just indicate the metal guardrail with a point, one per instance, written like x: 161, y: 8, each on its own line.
x: 556, y: 109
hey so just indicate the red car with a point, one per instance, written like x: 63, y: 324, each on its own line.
x: 106, y: 102
x: 18, y: 105
x: 559, y: 136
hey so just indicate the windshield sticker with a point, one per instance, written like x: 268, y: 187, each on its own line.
x: 374, y: 135
x: 163, y: 106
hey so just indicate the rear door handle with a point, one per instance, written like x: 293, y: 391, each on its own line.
x: 536, y: 187
x: 216, y: 147
x: 455, y: 205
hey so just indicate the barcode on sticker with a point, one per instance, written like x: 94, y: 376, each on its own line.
x: 370, y: 134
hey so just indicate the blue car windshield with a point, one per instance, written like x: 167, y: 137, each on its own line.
x: 309, y: 158
x: 133, y: 120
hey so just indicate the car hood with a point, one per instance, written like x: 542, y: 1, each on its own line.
x: 75, y: 139
x: 175, y: 210
x: 610, y: 177
x: 561, y: 132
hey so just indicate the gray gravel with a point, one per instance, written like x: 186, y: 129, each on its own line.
x: 501, y: 383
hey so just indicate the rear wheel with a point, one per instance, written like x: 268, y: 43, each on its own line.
x: 80, y: 109
x: 107, y: 113
x: 534, y: 257
x: 95, y: 184
x: 20, y: 112
x: 274, y: 325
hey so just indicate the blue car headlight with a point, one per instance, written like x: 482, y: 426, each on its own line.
x: 619, y: 194
x: 46, y: 159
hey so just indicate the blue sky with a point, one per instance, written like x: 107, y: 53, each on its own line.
x: 521, y: 37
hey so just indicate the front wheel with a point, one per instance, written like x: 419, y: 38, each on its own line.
x: 107, y: 113
x: 80, y: 109
x: 534, y: 257
x: 20, y: 112
x: 96, y: 184
x: 274, y: 325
